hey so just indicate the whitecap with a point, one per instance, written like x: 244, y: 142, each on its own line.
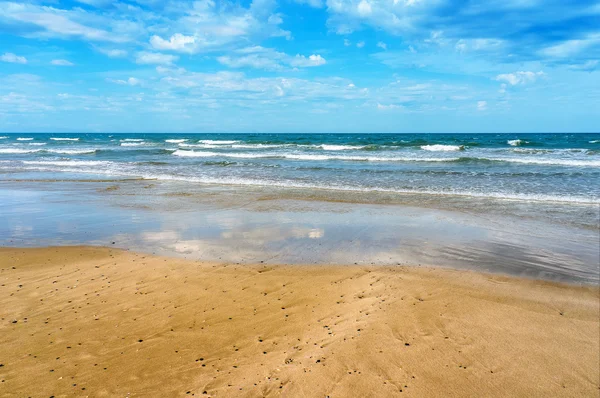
x: 218, y: 142
x: 24, y: 139
x: 516, y: 142
x: 443, y: 148
x: 339, y: 147
x: 176, y: 141
x: 63, y: 139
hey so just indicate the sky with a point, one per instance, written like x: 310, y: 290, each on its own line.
x: 403, y: 66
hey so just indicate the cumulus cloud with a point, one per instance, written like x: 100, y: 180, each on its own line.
x: 145, y: 57
x: 482, y: 105
x: 382, y: 45
x: 312, y: 60
x: 360, y: 44
x: 177, y: 42
x: 521, y: 77
x: 13, y: 58
x: 61, y: 62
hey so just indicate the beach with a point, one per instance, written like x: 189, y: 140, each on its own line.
x: 160, y: 265
x: 88, y: 321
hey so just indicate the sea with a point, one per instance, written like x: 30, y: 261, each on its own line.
x: 526, y: 204
x: 529, y: 167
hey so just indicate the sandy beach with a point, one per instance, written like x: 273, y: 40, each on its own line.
x: 99, y: 322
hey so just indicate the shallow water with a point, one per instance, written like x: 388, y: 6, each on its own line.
x: 226, y: 224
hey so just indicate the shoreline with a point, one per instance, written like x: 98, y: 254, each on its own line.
x: 263, y: 329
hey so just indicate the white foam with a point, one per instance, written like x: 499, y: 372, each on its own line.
x: 218, y: 142
x: 24, y: 139
x: 299, y: 156
x: 36, y: 143
x: 205, y: 146
x: 558, y: 162
x: 516, y: 142
x: 591, y: 142
x: 132, y: 143
x: 18, y: 151
x: 63, y: 139
x: 4, y: 137
x: 176, y: 141
x: 443, y: 148
x: 287, y: 184
x: 68, y: 162
x: 339, y: 147
x: 132, y: 140
x: 72, y: 151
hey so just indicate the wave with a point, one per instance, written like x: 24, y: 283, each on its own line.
x: 176, y: 141
x: 3, y: 137
x: 591, y: 142
x: 68, y: 162
x: 18, y: 151
x: 24, y: 139
x: 293, y: 156
x: 443, y: 148
x: 132, y: 140
x: 37, y: 143
x: 558, y: 162
x: 516, y: 142
x: 64, y: 139
x: 133, y: 143
x: 60, y: 151
x: 72, y: 151
x: 218, y: 142
x: 466, y: 193
x: 339, y: 147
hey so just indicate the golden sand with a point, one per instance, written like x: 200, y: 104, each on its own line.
x: 98, y: 322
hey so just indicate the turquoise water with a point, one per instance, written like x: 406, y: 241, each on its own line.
x: 551, y: 168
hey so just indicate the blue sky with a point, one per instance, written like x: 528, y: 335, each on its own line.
x: 300, y: 66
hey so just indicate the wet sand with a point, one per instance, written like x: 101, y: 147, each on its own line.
x: 83, y: 321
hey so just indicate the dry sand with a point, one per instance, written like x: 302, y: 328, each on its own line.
x: 97, y: 322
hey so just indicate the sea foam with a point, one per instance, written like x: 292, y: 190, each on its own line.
x: 443, y: 148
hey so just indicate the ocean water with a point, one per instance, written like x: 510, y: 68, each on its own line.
x: 558, y: 168
x: 526, y: 204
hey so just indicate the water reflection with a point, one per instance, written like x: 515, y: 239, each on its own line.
x: 301, y: 232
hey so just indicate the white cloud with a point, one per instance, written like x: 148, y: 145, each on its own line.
x: 360, y: 44
x: 113, y: 53
x: 347, y: 42
x: 61, y: 62
x: 389, y: 107
x: 177, y: 42
x: 521, y: 77
x: 132, y: 81
x: 55, y: 22
x: 312, y: 60
x: 482, y: 105
x: 145, y: 57
x: 13, y: 58
x: 382, y: 45
x: 570, y: 48
x: 269, y: 59
x: 364, y: 8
